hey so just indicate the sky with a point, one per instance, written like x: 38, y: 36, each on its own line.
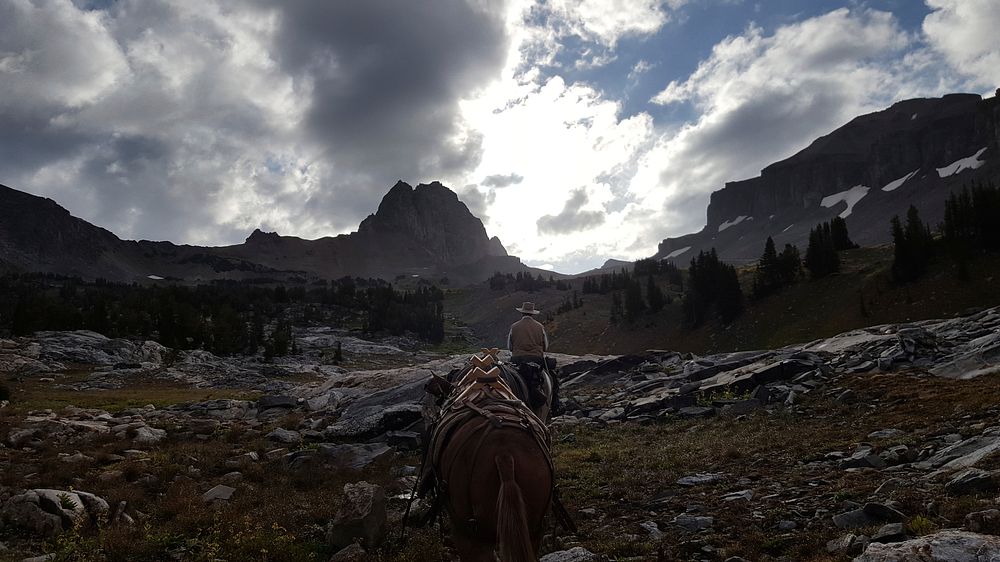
x: 578, y: 130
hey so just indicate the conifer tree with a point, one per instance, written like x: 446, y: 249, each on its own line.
x: 654, y: 295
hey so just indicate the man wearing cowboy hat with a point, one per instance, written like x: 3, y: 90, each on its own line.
x: 527, y: 339
x: 528, y: 342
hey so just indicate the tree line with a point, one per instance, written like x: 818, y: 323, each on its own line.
x: 225, y: 317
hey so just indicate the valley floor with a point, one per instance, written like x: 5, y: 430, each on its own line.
x: 660, y: 456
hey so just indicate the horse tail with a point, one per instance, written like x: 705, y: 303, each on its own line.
x: 514, y: 542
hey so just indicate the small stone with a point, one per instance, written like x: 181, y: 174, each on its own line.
x: 146, y: 435
x: 220, y: 492
x: 787, y: 525
x: 700, y: 478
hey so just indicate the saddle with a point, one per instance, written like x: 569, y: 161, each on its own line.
x: 483, y: 402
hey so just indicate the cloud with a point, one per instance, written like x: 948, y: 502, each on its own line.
x: 608, y: 21
x: 572, y: 218
x: 761, y: 97
x: 502, y: 180
x: 197, y: 122
x: 965, y: 32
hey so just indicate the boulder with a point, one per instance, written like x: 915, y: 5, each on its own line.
x: 361, y: 516
x: 286, y: 436
x: 693, y: 523
x: 47, y: 512
x: 987, y: 521
x: 944, y: 546
x: 146, y: 435
x: 970, y: 481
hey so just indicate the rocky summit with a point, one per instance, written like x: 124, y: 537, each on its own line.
x: 869, y: 445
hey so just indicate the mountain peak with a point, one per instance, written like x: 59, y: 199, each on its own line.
x: 258, y: 236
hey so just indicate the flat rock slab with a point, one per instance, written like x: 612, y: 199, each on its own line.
x: 945, y: 546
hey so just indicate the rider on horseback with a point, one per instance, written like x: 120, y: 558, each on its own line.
x: 528, y: 343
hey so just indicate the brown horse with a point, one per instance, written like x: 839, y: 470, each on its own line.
x: 489, y: 456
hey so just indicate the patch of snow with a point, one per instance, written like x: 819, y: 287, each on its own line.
x: 912, y: 117
x: 676, y: 253
x: 770, y: 217
x: 789, y: 227
x: 896, y: 183
x: 154, y: 277
x: 851, y: 197
x: 733, y: 222
x: 970, y: 163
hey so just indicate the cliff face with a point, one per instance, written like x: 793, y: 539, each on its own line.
x: 421, y: 231
x: 873, y: 167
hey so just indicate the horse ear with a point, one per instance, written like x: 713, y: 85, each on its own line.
x: 438, y: 386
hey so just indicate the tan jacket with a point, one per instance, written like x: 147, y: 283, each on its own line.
x: 527, y: 337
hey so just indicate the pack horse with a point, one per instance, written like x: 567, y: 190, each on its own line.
x: 489, y: 463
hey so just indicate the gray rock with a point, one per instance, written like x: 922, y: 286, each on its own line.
x: 944, y: 546
x: 700, y: 478
x: 870, y: 514
x: 863, y: 458
x: 146, y: 435
x: 987, y: 521
x: 693, y: 523
x: 970, y: 481
x: 653, y: 529
x: 575, y: 554
x: 848, y: 544
x: 220, y: 492
x: 696, y: 412
x: 893, y: 532
x: 361, y: 516
x: 286, y: 436
x: 787, y: 525
x: 47, y: 512
x: 741, y: 407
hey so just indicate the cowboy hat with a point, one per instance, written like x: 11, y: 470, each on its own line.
x: 527, y: 308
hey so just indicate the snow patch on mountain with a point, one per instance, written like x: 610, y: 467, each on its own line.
x: 677, y: 252
x: 894, y: 184
x: 734, y: 222
x: 970, y: 163
x: 851, y: 197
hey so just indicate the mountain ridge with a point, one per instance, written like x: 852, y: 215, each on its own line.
x: 870, y: 168
x: 421, y: 231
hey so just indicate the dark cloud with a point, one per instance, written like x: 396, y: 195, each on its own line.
x: 477, y: 201
x: 386, y: 78
x: 502, y: 180
x: 571, y: 218
x: 157, y: 121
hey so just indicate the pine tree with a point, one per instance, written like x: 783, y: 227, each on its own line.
x: 634, y: 305
x: 767, y: 276
x: 913, y: 247
x: 654, y: 295
x: 841, y: 240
